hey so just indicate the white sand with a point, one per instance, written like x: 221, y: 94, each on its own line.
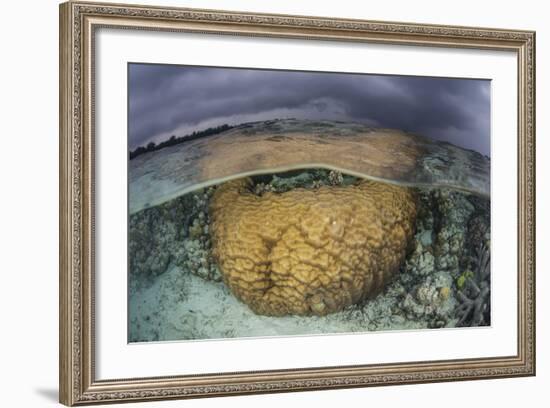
x: 181, y: 306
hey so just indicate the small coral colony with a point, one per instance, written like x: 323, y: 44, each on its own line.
x: 309, y: 250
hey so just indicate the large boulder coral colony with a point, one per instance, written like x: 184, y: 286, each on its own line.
x: 310, y: 252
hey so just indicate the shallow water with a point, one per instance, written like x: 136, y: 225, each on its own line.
x: 279, y: 145
x: 176, y: 291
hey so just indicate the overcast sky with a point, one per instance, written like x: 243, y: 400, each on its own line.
x: 167, y: 100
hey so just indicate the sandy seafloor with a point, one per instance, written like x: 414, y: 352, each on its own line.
x: 208, y: 310
x: 176, y: 292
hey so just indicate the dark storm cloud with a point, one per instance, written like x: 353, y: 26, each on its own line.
x: 166, y: 100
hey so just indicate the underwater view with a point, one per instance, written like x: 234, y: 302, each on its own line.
x: 302, y: 226
x: 308, y: 250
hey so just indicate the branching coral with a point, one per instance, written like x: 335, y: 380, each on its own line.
x: 474, y: 309
x: 310, y: 252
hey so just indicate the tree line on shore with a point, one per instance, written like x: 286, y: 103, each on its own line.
x: 152, y: 146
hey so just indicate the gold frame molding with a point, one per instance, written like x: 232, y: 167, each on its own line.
x: 78, y: 22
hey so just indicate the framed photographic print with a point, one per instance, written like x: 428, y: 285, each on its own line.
x: 260, y: 203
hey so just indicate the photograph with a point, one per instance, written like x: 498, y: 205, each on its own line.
x: 259, y: 202
x: 265, y: 203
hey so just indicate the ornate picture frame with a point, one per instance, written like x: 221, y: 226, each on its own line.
x: 79, y: 22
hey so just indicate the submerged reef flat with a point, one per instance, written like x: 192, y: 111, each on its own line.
x: 177, y: 291
x: 267, y: 147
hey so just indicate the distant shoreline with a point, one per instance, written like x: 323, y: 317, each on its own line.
x: 173, y: 140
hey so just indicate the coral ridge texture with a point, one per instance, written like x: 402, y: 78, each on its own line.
x: 310, y: 252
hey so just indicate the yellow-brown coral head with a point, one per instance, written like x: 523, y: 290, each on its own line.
x: 310, y: 252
